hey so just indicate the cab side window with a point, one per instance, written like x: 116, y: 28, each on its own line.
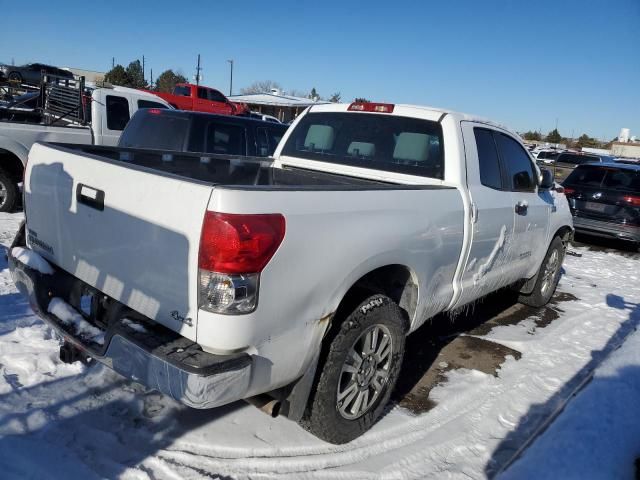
x: 518, y: 165
x: 489, y: 162
x: 215, y: 96
x: 202, y: 93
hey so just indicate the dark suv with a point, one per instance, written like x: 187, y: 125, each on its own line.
x: 187, y: 131
x: 605, y: 200
x: 565, y: 162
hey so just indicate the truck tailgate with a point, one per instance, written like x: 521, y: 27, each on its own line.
x: 130, y: 232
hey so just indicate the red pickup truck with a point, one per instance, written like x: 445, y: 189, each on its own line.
x: 187, y: 96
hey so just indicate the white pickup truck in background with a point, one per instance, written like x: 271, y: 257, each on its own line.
x: 107, y: 116
x: 291, y: 283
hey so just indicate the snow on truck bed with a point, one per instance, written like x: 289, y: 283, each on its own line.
x: 59, y: 420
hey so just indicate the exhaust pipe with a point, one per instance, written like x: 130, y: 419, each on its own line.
x: 266, y: 404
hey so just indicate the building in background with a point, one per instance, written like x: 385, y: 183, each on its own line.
x: 89, y: 75
x: 624, y: 135
x: 626, y: 149
x: 284, y: 107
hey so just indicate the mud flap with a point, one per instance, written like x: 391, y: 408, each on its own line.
x: 295, y: 403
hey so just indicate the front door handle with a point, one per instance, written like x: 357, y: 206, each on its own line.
x: 521, y: 208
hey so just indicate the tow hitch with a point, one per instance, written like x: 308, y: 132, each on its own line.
x: 71, y: 354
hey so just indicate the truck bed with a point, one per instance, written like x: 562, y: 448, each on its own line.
x: 232, y: 171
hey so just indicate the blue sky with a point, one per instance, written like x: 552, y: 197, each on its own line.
x: 522, y: 63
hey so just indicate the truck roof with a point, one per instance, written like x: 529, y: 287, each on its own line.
x: 420, y: 111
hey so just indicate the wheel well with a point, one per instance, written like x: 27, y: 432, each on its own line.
x: 395, y: 281
x: 565, y: 233
x: 11, y: 165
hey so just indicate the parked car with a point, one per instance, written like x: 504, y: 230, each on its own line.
x: 291, y: 283
x: 547, y: 156
x: 262, y: 116
x: 605, y: 199
x: 31, y: 73
x: 107, y: 110
x: 187, y: 96
x: 565, y: 162
x: 180, y: 131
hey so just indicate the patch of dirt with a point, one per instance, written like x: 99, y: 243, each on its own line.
x: 441, y: 345
x: 462, y: 352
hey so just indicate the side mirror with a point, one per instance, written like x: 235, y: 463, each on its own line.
x: 547, y: 181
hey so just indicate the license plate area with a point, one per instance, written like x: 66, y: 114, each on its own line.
x: 595, y: 207
x: 89, y: 303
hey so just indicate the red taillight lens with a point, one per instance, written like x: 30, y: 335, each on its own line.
x: 569, y: 191
x: 632, y: 200
x: 233, y: 243
x: 372, y: 107
x: 155, y: 111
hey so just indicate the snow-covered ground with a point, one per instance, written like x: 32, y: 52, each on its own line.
x: 60, y: 420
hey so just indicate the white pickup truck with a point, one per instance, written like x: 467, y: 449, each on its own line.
x: 291, y: 283
x: 110, y: 111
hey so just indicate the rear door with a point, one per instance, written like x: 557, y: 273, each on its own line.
x: 492, y: 218
x: 130, y: 232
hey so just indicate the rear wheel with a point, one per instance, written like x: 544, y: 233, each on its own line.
x: 548, y: 276
x: 8, y: 193
x: 359, y: 372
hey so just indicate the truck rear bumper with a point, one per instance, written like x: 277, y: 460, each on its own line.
x: 147, y: 353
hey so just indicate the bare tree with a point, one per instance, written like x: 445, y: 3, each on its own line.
x: 263, y: 86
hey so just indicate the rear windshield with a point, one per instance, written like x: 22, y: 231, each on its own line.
x: 155, y: 131
x: 369, y: 140
x: 605, y: 177
x: 575, y: 159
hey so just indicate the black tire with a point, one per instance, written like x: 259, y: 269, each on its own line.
x: 8, y: 193
x: 15, y: 77
x: 323, y: 417
x: 547, y: 280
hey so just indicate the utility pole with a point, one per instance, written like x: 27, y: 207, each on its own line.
x: 198, y: 71
x: 151, y: 79
x: 231, y: 78
x: 113, y: 62
x: 142, y: 68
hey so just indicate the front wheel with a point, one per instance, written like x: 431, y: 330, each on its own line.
x: 359, y: 372
x: 548, y: 276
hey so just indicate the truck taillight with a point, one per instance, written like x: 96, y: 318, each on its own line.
x: 371, y: 107
x: 234, y: 249
x: 569, y: 191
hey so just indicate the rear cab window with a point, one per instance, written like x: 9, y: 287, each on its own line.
x: 382, y: 142
x: 117, y: 112
x: 223, y: 138
x: 157, y: 131
x: 182, y: 90
x: 150, y: 104
x: 489, y: 162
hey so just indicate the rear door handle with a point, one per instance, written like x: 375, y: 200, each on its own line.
x: 521, y: 208
x: 89, y: 196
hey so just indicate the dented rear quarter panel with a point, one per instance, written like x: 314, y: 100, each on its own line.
x: 332, y: 239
